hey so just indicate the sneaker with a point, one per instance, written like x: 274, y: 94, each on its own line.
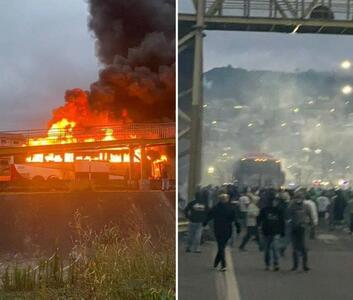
x: 306, y: 269
x: 223, y: 269
x: 187, y: 250
x: 276, y: 268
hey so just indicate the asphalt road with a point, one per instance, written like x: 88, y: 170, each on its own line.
x: 330, y: 277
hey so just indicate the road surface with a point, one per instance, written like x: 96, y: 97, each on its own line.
x: 330, y: 277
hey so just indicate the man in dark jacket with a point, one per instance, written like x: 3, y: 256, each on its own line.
x: 223, y: 216
x: 196, y: 212
x: 299, y: 215
x: 272, y: 222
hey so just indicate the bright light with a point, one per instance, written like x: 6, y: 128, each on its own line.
x: 332, y: 110
x: 311, y: 102
x: 296, y: 109
x: 346, y: 64
x: 296, y: 29
x: 250, y: 124
x: 318, y: 125
x: 283, y: 124
x: 347, y: 89
x: 224, y: 154
x: 205, y: 105
x: 214, y: 122
x: 318, y: 151
x: 348, y: 167
x: 238, y: 107
x: 306, y: 149
x: 333, y: 162
x: 343, y: 182
x: 210, y: 170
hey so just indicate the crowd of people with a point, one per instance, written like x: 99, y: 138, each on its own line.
x: 274, y: 218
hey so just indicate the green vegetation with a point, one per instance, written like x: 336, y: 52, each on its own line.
x: 103, y: 265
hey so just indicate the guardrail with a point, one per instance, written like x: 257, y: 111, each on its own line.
x: 70, y: 135
x: 296, y: 9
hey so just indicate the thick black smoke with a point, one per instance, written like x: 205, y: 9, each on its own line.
x: 136, y: 43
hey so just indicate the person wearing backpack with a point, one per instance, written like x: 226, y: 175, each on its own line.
x: 196, y: 212
x: 299, y: 214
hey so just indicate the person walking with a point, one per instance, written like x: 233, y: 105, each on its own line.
x: 323, y: 203
x: 223, y: 216
x: 196, y: 212
x: 272, y: 223
x: 234, y: 202
x: 244, y: 201
x: 165, y: 179
x: 299, y: 213
x: 314, y: 215
x: 283, y: 204
x: 349, y: 215
x: 251, y: 224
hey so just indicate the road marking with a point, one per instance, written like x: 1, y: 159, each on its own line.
x: 327, y: 237
x: 226, y: 282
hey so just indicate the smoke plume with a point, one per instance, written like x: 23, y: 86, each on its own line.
x: 135, y: 41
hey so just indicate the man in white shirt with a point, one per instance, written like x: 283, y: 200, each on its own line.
x: 322, y: 204
x: 314, y: 215
x: 244, y: 201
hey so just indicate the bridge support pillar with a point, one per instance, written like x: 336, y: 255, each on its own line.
x: 144, y: 182
x: 195, y: 163
x: 131, y: 164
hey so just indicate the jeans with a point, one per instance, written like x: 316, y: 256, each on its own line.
x: 194, y: 236
x: 233, y: 238
x: 220, y: 256
x: 251, y: 231
x: 299, y: 247
x: 286, y: 239
x: 271, y: 244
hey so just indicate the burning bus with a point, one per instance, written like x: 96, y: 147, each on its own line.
x: 100, y: 154
x: 258, y: 169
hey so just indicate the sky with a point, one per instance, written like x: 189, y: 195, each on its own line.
x: 45, y: 49
x: 273, y: 51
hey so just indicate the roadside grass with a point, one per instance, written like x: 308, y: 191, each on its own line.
x: 101, y: 265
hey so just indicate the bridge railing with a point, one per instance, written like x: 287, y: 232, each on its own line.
x: 145, y: 131
x: 288, y: 9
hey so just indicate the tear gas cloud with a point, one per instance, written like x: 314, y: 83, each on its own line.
x: 301, y: 118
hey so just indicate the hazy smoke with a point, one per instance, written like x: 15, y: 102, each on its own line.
x: 301, y: 118
x: 136, y: 42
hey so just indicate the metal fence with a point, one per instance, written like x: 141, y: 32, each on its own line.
x: 146, y: 131
x: 292, y: 9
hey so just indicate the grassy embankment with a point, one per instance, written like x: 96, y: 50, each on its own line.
x: 103, y: 265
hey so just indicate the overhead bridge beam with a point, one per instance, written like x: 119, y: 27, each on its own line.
x: 62, y: 148
x: 270, y: 24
